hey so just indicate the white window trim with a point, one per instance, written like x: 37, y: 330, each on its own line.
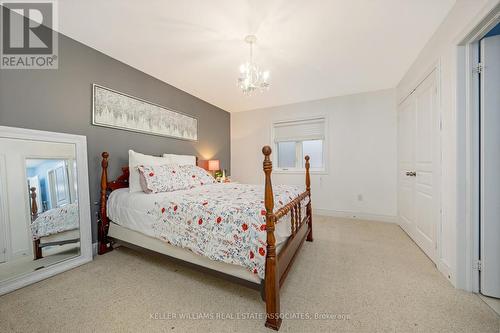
x: 322, y: 171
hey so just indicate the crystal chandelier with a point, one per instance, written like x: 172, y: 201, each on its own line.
x: 251, y: 77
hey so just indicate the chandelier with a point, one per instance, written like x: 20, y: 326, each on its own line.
x: 251, y: 77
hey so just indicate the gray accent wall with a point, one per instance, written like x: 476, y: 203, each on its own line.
x: 61, y: 101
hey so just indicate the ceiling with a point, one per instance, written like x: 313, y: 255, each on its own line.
x: 314, y: 49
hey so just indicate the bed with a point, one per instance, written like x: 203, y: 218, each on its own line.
x: 248, y: 233
x: 57, y: 226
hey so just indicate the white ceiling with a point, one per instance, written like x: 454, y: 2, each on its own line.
x: 314, y: 49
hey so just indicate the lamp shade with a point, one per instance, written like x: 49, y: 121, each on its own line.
x: 213, y: 165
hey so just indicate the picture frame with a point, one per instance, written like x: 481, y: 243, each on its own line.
x: 114, y: 109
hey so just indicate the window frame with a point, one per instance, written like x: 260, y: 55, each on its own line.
x: 299, y: 148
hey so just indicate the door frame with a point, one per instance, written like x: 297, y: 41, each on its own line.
x: 468, y: 126
x: 434, y: 69
x: 4, y: 214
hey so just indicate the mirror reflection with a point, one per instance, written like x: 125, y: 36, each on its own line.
x: 39, y: 215
x: 53, y: 207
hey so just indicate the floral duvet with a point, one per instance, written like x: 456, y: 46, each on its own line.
x: 224, y: 222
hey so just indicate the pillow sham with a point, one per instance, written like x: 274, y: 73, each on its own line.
x: 134, y: 160
x: 162, y: 178
x: 172, y: 177
x: 196, y: 176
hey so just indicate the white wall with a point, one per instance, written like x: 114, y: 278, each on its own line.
x: 361, y: 157
x: 442, y: 49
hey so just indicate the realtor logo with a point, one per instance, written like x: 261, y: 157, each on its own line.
x: 28, y: 39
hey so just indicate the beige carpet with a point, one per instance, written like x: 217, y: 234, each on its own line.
x: 371, y: 273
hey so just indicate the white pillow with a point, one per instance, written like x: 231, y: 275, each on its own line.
x: 181, y: 159
x: 134, y: 160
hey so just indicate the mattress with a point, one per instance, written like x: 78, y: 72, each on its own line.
x: 223, y: 222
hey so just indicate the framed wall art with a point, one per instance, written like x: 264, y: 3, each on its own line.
x: 114, y: 109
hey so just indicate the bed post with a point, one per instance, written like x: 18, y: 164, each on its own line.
x: 103, y: 225
x: 37, y: 250
x: 271, y: 283
x: 308, y: 208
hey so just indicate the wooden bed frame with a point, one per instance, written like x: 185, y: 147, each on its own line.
x: 37, y: 250
x: 277, y: 265
x: 37, y: 244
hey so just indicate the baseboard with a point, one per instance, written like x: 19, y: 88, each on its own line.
x: 446, y: 270
x: 94, y: 249
x: 356, y: 215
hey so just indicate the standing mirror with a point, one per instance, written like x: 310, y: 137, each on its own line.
x: 44, y: 205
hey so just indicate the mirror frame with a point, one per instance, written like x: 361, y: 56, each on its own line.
x: 85, y: 256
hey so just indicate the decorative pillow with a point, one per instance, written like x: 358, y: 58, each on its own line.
x: 196, y: 176
x: 181, y: 159
x: 136, y: 159
x: 162, y: 178
x: 172, y: 177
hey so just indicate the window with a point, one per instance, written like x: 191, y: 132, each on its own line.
x: 296, y: 139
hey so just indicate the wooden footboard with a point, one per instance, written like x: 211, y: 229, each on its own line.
x: 278, y: 266
x: 103, y: 223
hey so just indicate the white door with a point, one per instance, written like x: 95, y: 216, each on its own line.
x: 406, y: 153
x: 427, y: 162
x: 490, y: 167
x: 419, y: 165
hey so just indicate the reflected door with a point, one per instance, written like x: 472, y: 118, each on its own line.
x: 59, y: 186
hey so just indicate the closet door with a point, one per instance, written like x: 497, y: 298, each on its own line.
x: 427, y: 158
x: 419, y: 163
x: 406, y: 153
